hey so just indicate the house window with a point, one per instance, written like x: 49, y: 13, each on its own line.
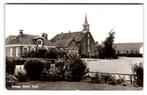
x: 17, y: 52
x: 132, y: 51
x: 25, y: 49
x: 32, y: 48
x: 11, y: 52
x: 137, y: 51
x: 39, y: 42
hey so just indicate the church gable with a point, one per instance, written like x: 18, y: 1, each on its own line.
x: 64, y: 39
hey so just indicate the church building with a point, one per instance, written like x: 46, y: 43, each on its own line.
x: 79, y: 42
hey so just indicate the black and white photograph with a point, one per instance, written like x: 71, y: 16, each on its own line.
x: 74, y: 46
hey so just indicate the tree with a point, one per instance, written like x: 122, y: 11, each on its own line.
x: 138, y: 70
x: 106, y: 49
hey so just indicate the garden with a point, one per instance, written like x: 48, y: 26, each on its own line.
x: 49, y: 68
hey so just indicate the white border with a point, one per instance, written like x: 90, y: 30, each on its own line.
x: 4, y: 91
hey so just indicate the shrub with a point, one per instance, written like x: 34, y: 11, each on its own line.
x: 77, y: 68
x: 42, y: 53
x: 10, y: 80
x: 138, y: 70
x: 34, y: 68
x: 120, y: 81
x: 52, y: 53
x: 44, y: 76
x: 22, y: 77
x: 11, y: 62
x: 96, y: 78
x: 10, y: 66
x: 106, y: 78
x: 72, y: 69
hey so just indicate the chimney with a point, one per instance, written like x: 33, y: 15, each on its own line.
x: 21, y: 32
x: 44, y: 35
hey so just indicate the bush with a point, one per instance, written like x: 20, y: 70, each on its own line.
x: 22, y: 77
x: 96, y: 78
x: 72, y: 69
x: 10, y: 66
x: 42, y: 53
x: 44, y: 76
x: 138, y: 70
x: 106, y: 78
x: 34, y: 68
x: 10, y: 80
x: 11, y: 62
x: 77, y: 68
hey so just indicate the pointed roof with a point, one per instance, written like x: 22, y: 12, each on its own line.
x: 25, y: 39
x: 64, y: 39
x: 86, y: 21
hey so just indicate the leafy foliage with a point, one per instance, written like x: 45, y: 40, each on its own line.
x: 34, y: 68
x: 41, y: 53
x: 10, y: 80
x: 77, y: 68
x: 11, y: 62
x: 106, y: 49
x: 106, y: 78
x: 138, y: 70
x: 22, y: 77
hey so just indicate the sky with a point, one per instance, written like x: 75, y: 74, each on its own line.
x: 125, y: 20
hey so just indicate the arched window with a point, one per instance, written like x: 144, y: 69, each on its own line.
x: 25, y: 49
x: 39, y: 42
x: 32, y: 48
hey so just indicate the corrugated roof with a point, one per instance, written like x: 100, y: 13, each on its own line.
x: 128, y: 46
x: 63, y: 39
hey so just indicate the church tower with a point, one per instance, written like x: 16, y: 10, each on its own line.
x: 86, y: 25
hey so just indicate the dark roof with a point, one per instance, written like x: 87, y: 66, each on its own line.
x: 128, y: 46
x: 24, y: 39
x: 63, y: 39
x: 10, y: 38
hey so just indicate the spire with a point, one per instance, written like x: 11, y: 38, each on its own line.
x: 86, y: 25
x: 86, y: 21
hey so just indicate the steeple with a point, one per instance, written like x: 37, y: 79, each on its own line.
x: 86, y: 21
x: 86, y: 25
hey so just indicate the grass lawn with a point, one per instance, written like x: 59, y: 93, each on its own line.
x: 62, y: 85
x: 122, y: 65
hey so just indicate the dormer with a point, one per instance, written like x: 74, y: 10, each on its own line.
x: 39, y: 41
